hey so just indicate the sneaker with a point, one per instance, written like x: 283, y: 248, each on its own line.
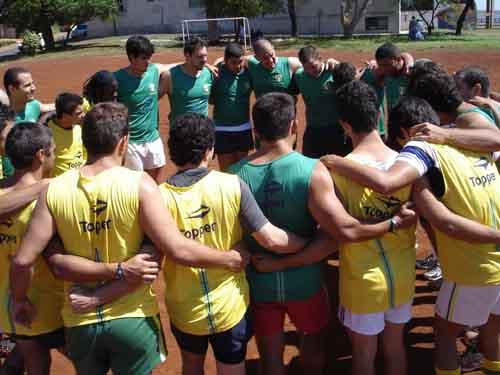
x: 427, y: 263
x: 6, y: 346
x: 471, y: 361
x: 434, y: 274
x: 435, y: 285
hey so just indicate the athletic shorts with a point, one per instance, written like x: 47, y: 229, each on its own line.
x: 131, y: 346
x: 50, y: 340
x: 374, y: 323
x: 323, y: 141
x: 309, y: 316
x: 467, y: 305
x: 229, y: 347
x: 145, y: 156
x: 229, y: 139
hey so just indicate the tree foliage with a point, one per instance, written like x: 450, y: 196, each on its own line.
x: 246, y: 8
x: 423, y: 7
x: 41, y: 15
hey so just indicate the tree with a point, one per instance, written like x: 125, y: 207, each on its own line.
x: 423, y: 7
x: 469, y: 4
x: 292, y: 12
x: 351, y: 12
x: 41, y: 15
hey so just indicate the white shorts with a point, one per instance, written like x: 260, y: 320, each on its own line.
x: 467, y: 305
x: 145, y: 156
x: 374, y: 323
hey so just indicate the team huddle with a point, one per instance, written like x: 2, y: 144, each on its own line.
x: 86, y: 225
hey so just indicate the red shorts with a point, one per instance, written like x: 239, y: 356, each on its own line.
x: 309, y: 316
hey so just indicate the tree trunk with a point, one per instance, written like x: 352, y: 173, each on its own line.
x: 350, y: 17
x: 460, y: 22
x: 293, y: 16
x: 48, y: 36
x: 211, y: 11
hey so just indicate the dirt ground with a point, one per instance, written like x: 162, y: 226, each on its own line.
x: 55, y: 76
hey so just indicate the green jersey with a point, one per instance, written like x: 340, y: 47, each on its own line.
x: 264, y: 80
x: 189, y: 94
x: 140, y: 96
x: 31, y: 112
x: 319, y: 96
x: 231, y: 97
x: 369, y: 77
x: 281, y: 188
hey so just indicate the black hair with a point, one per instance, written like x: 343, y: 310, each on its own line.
x: 272, y: 115
x: 308, y: 53
x: 193, y: 44
x: 438, y: 88
x: 24, y: 141
x: 103, y: 127
x: 138, y: 45
x: 409, y: 111
x: 6, y: 115
x: 343, y: 73
x: 11, y: 77
x: 100, y: 87
x: 66, y: 103
x: 472, y: 75
x: 357, y: 105
x: 233, y: 50
x: 191, y: 135
x: 387, y: 50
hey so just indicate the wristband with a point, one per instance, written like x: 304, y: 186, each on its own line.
x: 119, y: 272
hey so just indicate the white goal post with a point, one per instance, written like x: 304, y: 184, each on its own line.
x: 186, y: 32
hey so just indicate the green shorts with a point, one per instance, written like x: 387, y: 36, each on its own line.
x: 128, y: 346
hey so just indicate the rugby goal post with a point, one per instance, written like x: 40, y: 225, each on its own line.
x: 189, y: 25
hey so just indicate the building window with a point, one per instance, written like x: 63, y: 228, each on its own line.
x: 196, y: 3
x: 377, y: 23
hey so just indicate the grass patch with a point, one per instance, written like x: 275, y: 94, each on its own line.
x: 7, y: 42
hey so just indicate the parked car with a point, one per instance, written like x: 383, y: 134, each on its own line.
x: 79, y: 31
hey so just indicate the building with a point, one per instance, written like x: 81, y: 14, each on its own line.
x: 313, y: 17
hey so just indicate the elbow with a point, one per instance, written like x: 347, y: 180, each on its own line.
x: 20, y: 264
x: 384, y: 188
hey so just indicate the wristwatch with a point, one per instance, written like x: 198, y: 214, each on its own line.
x: 392, y: 225
x: 119, y: 275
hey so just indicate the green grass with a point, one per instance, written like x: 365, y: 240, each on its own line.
x: 483, y: 39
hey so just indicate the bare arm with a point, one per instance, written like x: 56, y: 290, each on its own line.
x: 329, y: 212
x: 480, y: 136
x: 161, y: 229
x: 294, y: 64
x: 165, y: 86
x: 398, y: 176
x: 319, y: 249
x: 48, y: 107
x: 17, y: 199
x: 40, y: 230
x: 278, y: 240
x: 163, y: 68
x: 440, y: 217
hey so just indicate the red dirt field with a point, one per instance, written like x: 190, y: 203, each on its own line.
x: 55, y: 76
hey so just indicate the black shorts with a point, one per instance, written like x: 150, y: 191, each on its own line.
x: 229, y: 347
x: 50, y: 340
x: 323, y: 141
x: 229, y: 142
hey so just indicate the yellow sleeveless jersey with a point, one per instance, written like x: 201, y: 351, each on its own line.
x: 204, y: 301
x: 472, y: 190
x: 379, y: 274
x: 46, y: 293
x: 98, y: 218
x: 70, y: 152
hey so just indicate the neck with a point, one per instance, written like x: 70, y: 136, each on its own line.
x: 17, y: 105
x: 190, y: 69
x: 189, y: 166
x: 134, y: 72
x: 96, y: 165
x: 63, y: 124
x: 275, y: 149
x: 25, y: 177
x: 364, y: 139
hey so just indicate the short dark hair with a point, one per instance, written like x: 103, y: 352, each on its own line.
x: 191, y: 135
x: 308, y: 53
x: 193, y: 44
x: 472, y: 75
x: 387, y: 50
x: 438, y: 88
x: 233, y: 50
x: 66, y: 103
x: 272, y: 115
x: 409, y: 111
x: 138, y: 45
x: 103, y: 127
x: 357, y: 105
x: 24, y: 141
x: 100, y: 87
x: 11, y: 77
x: 343, y: 73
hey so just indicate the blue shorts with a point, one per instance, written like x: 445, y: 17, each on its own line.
x: 229, y: 347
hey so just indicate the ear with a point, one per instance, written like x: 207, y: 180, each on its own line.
x: 346, y: 126
x: 122, y: 145
x: 476, y: 90
x: 40, y: 156
x: 405, y: 137
x: 209, y: 155
x: 294, y: 127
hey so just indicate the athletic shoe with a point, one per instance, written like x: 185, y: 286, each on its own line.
x: 427, y: 263
x: 470, y: 360
x: 435, y: 285
x: 434, y: 274
x: 6, y: 346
